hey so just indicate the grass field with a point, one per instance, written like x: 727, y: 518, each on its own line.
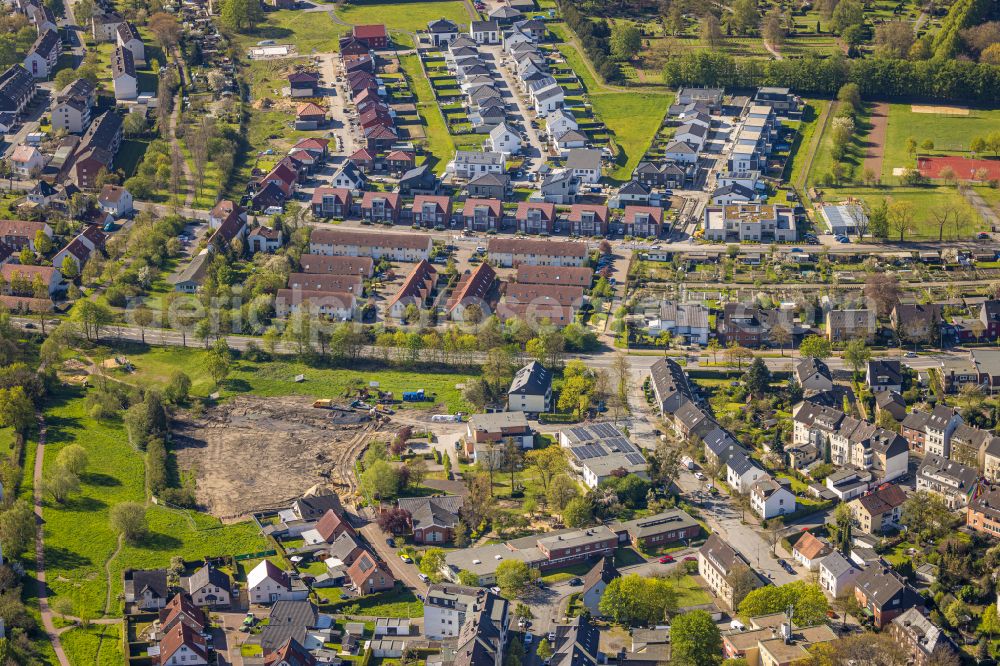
x: 399, y: 602
x: 439, y: 141
x: 81, y: 646
x: 403, y: 15
x: 276, y: 378
x: 79, y: 541
x: 633, y: 118
x: 950, y: 134
x: 306, y: 30
x: 805, y: 141
x: 854, y: 156
x: 924, y: 200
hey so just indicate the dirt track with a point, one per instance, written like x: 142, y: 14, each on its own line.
x: 253, y: 453
x: 875, y: 141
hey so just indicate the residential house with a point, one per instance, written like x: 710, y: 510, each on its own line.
x: 879, y: 511
x: 741, y: 473
x: 770, y: 497
x: 208, y: 586
x: 104, y: 26
x: 471, y: 163
x: 431, y: 210
x: 116, y: 200
x: 931, y: 431
x: 475, y: 287
x: 884, y: 595
x: 952, y: 481
x: 17, y: 89
x: 632, y: 193
x: 991, y: 461
x: 369, y: 575
x: 484, y: 32
x: 432, y: 519
x: 303, y: 83
x: 43, y: 56
x: 291, y: 653
x: 309, y: 116
x: 983, y: 513
x: 488, y: 186
x: 884, y: 375
x: 717, y: 561
x: 837, y: 575
x: 671, y: 175
x: 559, y: 186
x: 812, y: 374
x: 922, y: 641
x: 372, y: 36
x: 71, y: 107
x: 781, y: 100
x: 509, y: 252
x: 727, y: 195
x: 496, y: 428
x: 97, y: 149
x: 146, y: 588
x: 917, y: 322
x: 442, y: 31
x: 482, y: 214
x: 535, y: 217
x: 351, y: 284
x: 891, y: 403
x: 415, y: 290
x: 809, y: 551
x: 688, y: 321
x: 680, y: 152
x: 127, y: 37
x: 400, y: 161
x: 182, y: 646
x: 331, y: 202
x: 26, y: 162
x: 266, y: 584
x: 750, y: 222
x: 123, y: 76
x: 381, y: 207
x: 531, y: 390
x: 536, y: 302
x: 844, y: 325
x: 584, y: 164
x: 596, y: 582
x: 504, y: 139
x: 588, y: 219
x: 419, y: 180
x: 181, y: 609
x: 348, y: 176
x: 693, y: 134
x: 642, y: 221
x: 394, y: 247
x: 448, y: 608
x: 969, y: 446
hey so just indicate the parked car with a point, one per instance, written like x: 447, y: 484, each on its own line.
x: 390, y: 542
x: 528, y: 638
x: 423, y: 577
x: 690, y: 558
x: 786, y: 566
x: 666, y: 559
x: 406, y: 558
x: 575, y: 582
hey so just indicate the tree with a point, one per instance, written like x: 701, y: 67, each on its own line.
x: 142, y: 316
x: 711, y: 32
x: 843, y: 518
x: 432, y: 563
x: 758, y: 378
x: 781, y: 334
x: 513, y: 578
x: 178, y: 388
x: 129, y: 520
x: 695, y: 639
x: 901, y: 217
x: 91, y: 316
x: 816, y: 346
x: 848, y: 13
x: 926, y: 516
x: 165, y: 28
x: 43, y: 244
x: 561, y: 490
x: 16, y: 409
x: 394, y: 521
x: 626, y: 40
x: 468, y: 578
x: 850, y: 94
x: 894, y: 39
x: 379, y: 481
x: 773, y: 28
x: 883, y: 290
x: 547, y: 464
x: 242, y: 15
x: 60, y: 483
x: 578, y: 512
x: 878, y: 220
x: 857, y: 354
x: 808, y: 599
x: 989, y: 623
x: 17, y: 529
x: 742, y: 580
x: 74, y: 458
x: 218, y: 361
x: 744, y: 18
x: 544, y: 650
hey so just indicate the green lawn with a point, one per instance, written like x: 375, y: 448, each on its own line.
x: 399, y: 602
x: 563, y: 574
x: 924, y: 200
x: 439, y: 142
x: 403, y: 15
x: 129, y: 155
x: 82, y: 646
x: 306, y: 30
x: 690, y: 593
x: 276, y: 378
x: 805, y: 141
x: 950, y: 134
x: 79, y: 540
x: 854, y: 156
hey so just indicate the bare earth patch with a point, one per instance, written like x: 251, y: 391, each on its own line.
x: 941, y: 110
x: 253, y: 453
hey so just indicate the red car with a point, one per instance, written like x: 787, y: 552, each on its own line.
x: 690, y: 558
x: 667, y: 559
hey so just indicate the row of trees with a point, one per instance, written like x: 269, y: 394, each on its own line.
x: 878, y: 78
x: 595, y: 36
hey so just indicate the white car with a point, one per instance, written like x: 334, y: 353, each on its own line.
x: 424, y: 578
x: 699, y: 476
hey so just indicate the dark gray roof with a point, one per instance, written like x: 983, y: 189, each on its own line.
x: 439, y: 511
x: 577, y: 644
x: 288, y: 619
x: 46, y: 43
x: 313, y: 507
x: 807, y: 367
x: 153, y: 579
x: 957, y: 478
x: 741, y: 464
x: 532, y: 379
x: 891, y: 370
x: 735, y: 188
x: 206, y: 575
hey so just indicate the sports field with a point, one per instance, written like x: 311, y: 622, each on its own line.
x: 950, y: 132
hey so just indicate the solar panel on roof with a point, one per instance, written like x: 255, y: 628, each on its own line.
x: 635, y: 458
x: 581, y: 434
x: 586, y: 451
x: 605, y: 430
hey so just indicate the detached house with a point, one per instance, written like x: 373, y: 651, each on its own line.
x: 584, y: 164
x: 123, y: 74
x: 485, y: 32
x: 837, y: 575
x: 531, y: 390
x: 884, y: 375
x: 770, y: 497
x: 147, y: 589
x: 812, y: 374
x: 879, y: 511
x: 884, y: 595
x: 432, y: 519
x: 808, y: 551
x: 116, y: 200
x: 368, y: 575
x: 208, y: 587
x: 442, y: 31
x: 504, y: 139
x: 266, y: 584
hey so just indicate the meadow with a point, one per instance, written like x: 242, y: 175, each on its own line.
x: 403, y: 16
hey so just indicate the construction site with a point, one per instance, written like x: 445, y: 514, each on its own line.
x: 249, y: 454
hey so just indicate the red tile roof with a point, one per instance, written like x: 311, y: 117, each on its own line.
x: 548, y: 209
x: 369, y: 31
x: 495, y: 206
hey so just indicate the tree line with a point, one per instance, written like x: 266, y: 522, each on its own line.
x: 876, y: 78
